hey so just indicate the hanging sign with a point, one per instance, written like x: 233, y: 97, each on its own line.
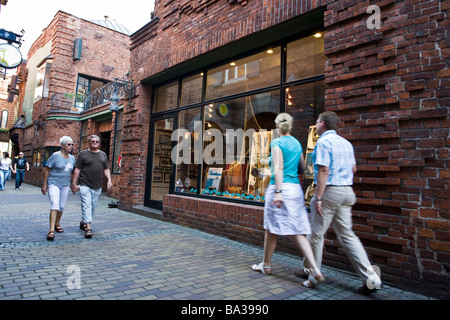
x: 10, y: 56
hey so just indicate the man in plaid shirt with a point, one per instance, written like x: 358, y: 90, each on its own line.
x: 334, y: 166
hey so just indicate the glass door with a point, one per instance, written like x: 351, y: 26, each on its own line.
x: 161, y: 166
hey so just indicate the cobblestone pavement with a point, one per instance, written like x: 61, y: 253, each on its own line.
x: 132, y: 257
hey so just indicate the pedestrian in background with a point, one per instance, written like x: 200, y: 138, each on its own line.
x: 20, y: 165
x: 334, y: 166
x: 285, y: 211
x: 90, y: 167
x: 1, y: 176
x: 5, y: 169
x: 56, y: 182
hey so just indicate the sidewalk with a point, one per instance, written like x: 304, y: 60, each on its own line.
x: 132, y: 257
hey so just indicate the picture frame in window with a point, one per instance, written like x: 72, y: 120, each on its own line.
x: 166, y: 177
x: 164, y: 161
x: 157, y: 176
x: 164, y: 138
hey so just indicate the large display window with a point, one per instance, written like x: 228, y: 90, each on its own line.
x: 225, y: 120
x: 250, y: 73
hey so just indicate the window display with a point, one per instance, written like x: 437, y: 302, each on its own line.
x: 161, y: 158
x: 240, y: 145
x: 186, y: 177
x: 226, y: 121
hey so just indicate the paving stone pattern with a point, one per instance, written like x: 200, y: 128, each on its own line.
x: 132, y: 257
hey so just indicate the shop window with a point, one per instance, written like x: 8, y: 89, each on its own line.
x: 304, y: 103
x: 236, y: 148
x: 4, y: 119
x: 37, y: 157
x: 255, y: 72
x: 48, y: 151
x: 305, y: 58
x: 117, y: 157
x: 187, y: 171
x: 85, y: 87
x: 42, y: 81
x: 191, y: 89
x: 166, y: 97
x: 162, y: 163
x: 223, y: 145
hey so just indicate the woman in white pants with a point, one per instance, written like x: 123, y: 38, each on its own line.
x: 56, y: 182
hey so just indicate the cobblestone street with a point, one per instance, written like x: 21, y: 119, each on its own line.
x: 132, y: 257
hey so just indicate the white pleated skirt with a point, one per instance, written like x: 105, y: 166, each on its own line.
x: 292, y: 218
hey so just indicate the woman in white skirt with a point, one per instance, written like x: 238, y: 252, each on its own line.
x: 285, y: 211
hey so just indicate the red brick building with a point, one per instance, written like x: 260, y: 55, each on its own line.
x: 7, y: 113
x: 62, y: 92
x: 205, y: 69
x: 213, y: 65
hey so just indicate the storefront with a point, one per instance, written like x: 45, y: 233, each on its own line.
x: 211, y: 129
x: 214, y: 74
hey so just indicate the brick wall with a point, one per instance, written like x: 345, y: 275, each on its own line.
x: 136, y: 132
x: 105, y: 53
x: 390, y: 88
x: 235, y: 221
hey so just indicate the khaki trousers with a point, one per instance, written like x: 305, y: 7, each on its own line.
x: 337, y: 205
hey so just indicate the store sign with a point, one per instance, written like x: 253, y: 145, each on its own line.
x: 7, y: 35
x: 10, y: 56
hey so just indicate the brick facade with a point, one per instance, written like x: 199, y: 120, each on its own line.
x: 390, y: 88
x: 105, y: 55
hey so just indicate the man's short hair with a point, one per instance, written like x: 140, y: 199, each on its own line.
x: 330, y: 118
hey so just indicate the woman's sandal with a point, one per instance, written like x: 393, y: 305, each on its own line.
x: 58, y: 228
x: 313, y: 281
x: 88, y: 233
x: 51, y: 236
x: 262, y: 268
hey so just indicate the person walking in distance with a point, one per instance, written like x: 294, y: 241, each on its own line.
x: 5, y: 169
x: 334, y: 166
x: 285, y: 211
x: 90, y: 167
x: 56, y: 182
x: 20, y: 165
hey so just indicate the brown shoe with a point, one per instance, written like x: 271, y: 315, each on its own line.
x: 88, y: 233
x: 51, y: 236
x: 302, y: 273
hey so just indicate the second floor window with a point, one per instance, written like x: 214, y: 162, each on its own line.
x: 85, y: 87
x: 42, y: 81
x: 4, y: 119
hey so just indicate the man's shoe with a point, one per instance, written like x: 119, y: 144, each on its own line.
x: 82, y: 226
x: 364, y: 290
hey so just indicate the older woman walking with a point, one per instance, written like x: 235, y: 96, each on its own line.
x: 285, y: 211
x: 56, y: 182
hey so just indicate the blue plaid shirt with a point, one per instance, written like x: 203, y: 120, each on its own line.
x: 337, y: 154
